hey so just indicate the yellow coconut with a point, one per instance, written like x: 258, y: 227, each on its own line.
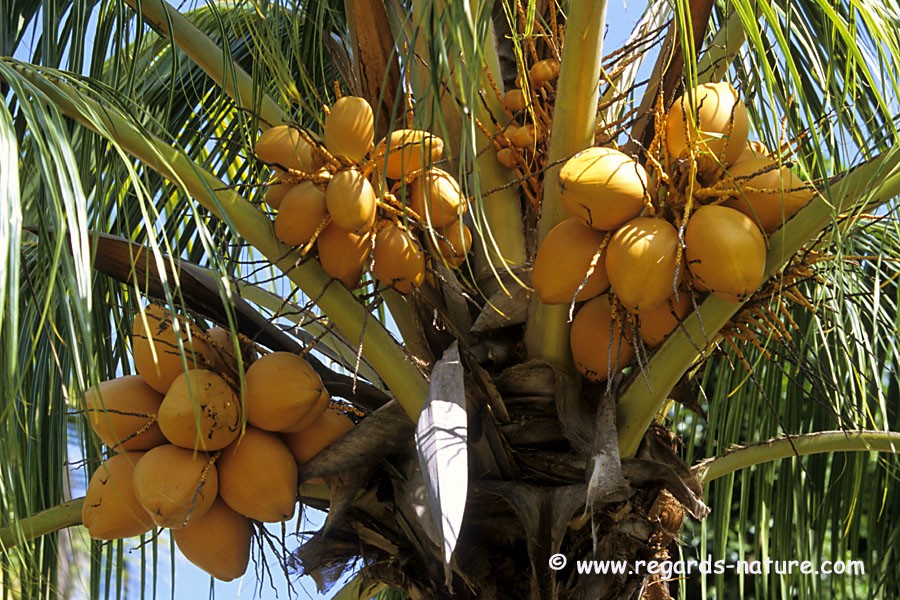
x: 276, y: 191
x: 508, y: 157
x: 398, y: 260
x: 515, y: 100
x: 656, y: 324
x: 350, y: 199
x: 407, y: 150
x: 218, y: 542
x: 329, y: 428
x: 283, y: 146
x: 343, y: 255
x: 258, y: 477
x: 200, y: 411
x: 302, y: 211
x: 725, y: 251
x: 715, y: 126
x: 223, y: 349
x: 754, y: 149
x: 175, y: 484
x: 350, y: 128
x: 122, y: 412
x: 544, y: 71
x: 641, y: 262
x: 525, y: 137
x: 281, y: 390
x: 435, y: 196
x: 596, y: 355
x: 563, y: 261
x: 767, y: 193
x: 111, y: 510
x: 453, y: 244
x: 603, y: 187
x: 315, y: 411
x: 157, y: 354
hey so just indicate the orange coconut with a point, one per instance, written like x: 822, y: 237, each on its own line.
x: 217, y: 542
x: 157, y: 343
x: 544, y: 71
x: 350, y: 128
x: 563, y: 261
x: 525, y: 137
x: 725, y: 251
x: 276, y: 191
x: 454, y: 243
x: 331, y: 426
x: 281, y: 390
x: 595, y: 353
x: 283, y: 146
x: 656, y: 324
x: 515, y: 100
x: 715, y: 126
x: 407, y: 150
x: 343, y: 255
x: 435, y: 196
x: 258, y: 477
x: 122, y: 412
x: 602, y: 187
x: 508, y: 157
x: 641, y: 262
x: 111, y: 510
x: 350, y: 199
x: 200, y: 411
x: 175, y: 484
x: 302, y: 211
x: 223, y: 349
x: 398, y: 260
x: 767, y: 193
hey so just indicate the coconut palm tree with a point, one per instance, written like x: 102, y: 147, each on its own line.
x: 759, y: 429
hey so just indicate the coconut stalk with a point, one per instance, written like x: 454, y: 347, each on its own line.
x: 574, y: 123
x: 647, y: 392
x: 47, y: 521
x: 355, y: 323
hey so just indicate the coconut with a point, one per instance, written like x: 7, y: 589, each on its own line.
x: 453, y: 244
x: 258, y: 477
x: 315, y: 411
x: 122, y: 413
x: 331, y: 426
x: 525, y: 137
x: 350, y: 199
x: 596, y: 355
x: 398, y: 261
x: 562, y: 264
x: 767, y: 193
x: 175, y: 484
x: 641, y: 262
x: 602, y: 187
x: 435, y: 196
x: 276, y: 191
x: 717, y: 131
x: 754, y: 149
x: 350, y: 128
x: 343, y: 255
x: 508, y: 157
x: 406, y: 151
x: 301, y: 213
x: 725, y: 251
x: 110, y: 510
x: 544, y: 71
x: 656, y: 324
x: 157, y: 353
x: 515, y: 100
x: 200, y: 411
x: 283, y: 146
x: 223, y: 349
x: 218, y: 542
x: 282, y: 389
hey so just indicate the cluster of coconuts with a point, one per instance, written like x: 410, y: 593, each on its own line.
x: 519, y: 141
x: 620, y: 236
x: 338, y: 196
x: 182, y: 455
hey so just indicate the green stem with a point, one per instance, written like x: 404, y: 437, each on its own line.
x: 800, y: 445
x: 354, y: 590
x: 869, y: 185
x: 574, y: 123
x: 209, y: 57
x: 47, y: 521
x: 354, y: 322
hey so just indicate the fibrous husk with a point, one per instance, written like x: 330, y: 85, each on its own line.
x: 766, y: 192
x: 282, y: 389
x: 596, y: 355
x: 218, y: 542
x: 343, y: 255
x: 122, y: 412
x: 454, y: 243
x: 641, y: 262
x: 175, y: 484
x: 276, y: 191
x: 283, y: 146
x: 332, y: 425
x: 398, y: 260
x: 435, y: 196
x: 656, y: 324
x: 563, y: 261
x: 111, y: 510
x: 350, y: 200
x: 302, y: 211
x: 350, y: 128
x: 406, y: 151
x: 200, y: 411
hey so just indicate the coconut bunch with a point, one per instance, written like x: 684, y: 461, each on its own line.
x: 639, y: 248
x: 529, y: 115
x: 358, y: 205
x: 186, y: 457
